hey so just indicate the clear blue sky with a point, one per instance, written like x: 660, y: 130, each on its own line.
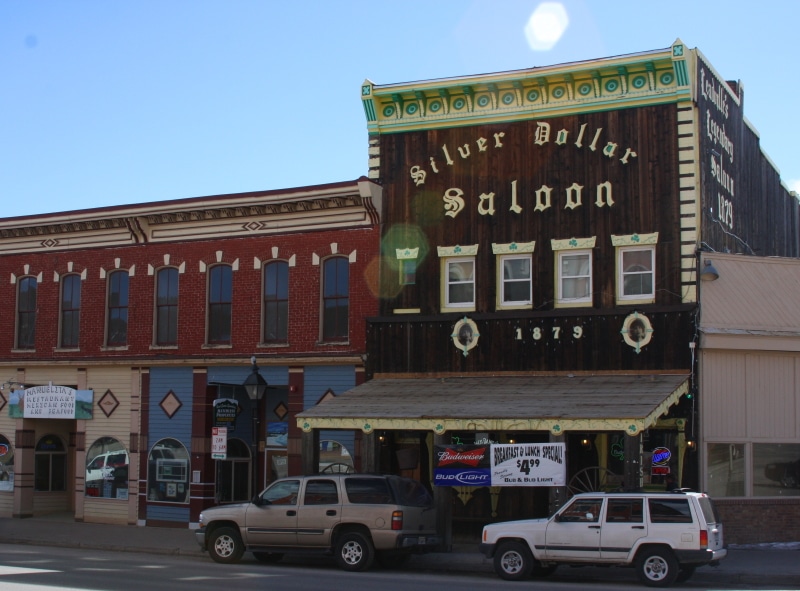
x: 109, y: 102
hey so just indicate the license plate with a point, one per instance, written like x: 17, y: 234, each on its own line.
x: 421, y: 540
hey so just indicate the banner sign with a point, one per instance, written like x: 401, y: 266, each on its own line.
x: 51, y: 402
x: 528, y: 464
x: 461, y: 465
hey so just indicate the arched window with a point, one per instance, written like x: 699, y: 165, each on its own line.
x: 335, y: 298
x: 6, y: 464
x: 276, y: 301
x: 50, y: 465
x: 168, y: 472
x: 26, y: 312
x: 107, y: 469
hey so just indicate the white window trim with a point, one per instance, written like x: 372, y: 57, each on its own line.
x: 514, y: 250
x: 630, y: 242
x: 454, y: 254
x: 573, y: 246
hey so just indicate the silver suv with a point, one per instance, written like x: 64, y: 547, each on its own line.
x: 357, y: 517
x: 665, y: 536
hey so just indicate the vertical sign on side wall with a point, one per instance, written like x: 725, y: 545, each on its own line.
x: 219, y: 443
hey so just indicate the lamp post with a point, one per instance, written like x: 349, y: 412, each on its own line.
x: 255, y: 386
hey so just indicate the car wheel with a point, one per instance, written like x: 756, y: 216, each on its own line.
x: 225, y: 545
x: 354, y: 551
x: 657, y: 567
x: 269, y: 557
x: 393, y: 560
x: 513, y: 561
x: 684, y: 574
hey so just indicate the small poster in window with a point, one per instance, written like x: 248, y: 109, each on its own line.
x: 172, y: 489
x: 122, y: 493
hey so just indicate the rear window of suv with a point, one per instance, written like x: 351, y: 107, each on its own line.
x: 708, y: 509
x: 670, y: 510
x: 368, y: 491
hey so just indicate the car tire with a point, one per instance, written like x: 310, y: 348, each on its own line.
x: 513, y: 561
x: 268, y: 557
x: 354, y: 551
x: 225, y: 545
x: 657, y: 567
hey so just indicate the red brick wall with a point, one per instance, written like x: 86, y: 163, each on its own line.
x: 304, y: 295
x: 753, y: 521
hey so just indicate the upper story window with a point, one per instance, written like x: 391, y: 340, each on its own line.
x: 458, y: 277
x: 636, y: 254
x: 407, y: 265
x: 27, y: 289
x: 276, y: 301
x: 514, y: 275
x: 70, y: 310
x: 166, y: 332
x: 573, y: 271
x: 220, y: 302
x: 117, y: 309
x: 335, y: 298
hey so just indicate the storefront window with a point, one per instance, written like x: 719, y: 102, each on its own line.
x: 726, y: 469
x: 107, y: 469
x: 168, y: 472
x: 776, y: 469
x: 6, y: 465
x: 50, y: 470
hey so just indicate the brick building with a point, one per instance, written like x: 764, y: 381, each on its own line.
x: 128, y: 333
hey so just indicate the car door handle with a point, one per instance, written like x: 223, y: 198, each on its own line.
x: 330, y: 512
x: 637, y: 527
x: 594, y: 527
x: 291, y: 513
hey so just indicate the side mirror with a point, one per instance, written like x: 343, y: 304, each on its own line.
x: 257, y: 501
x: 557, y: 518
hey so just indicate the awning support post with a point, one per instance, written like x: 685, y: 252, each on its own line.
x: 310, y: 452
x: 442, y: 500
x: 370, y: 453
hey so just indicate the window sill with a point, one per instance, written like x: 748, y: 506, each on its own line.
x: 115, y: 348
x: 458, y: 309
x: 332, y: 343
x: 66, y: 349
x: 636, y: 302
x: 23, y: 351
x: 272, y: 345
x: 163, y: 347
x: 226, y: 346
x: 519, y: 306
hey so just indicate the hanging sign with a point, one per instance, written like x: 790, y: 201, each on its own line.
x: 461, y: 465
x: 51, y: 402
x: 225, y: 412
x: 219, y: 443
x: 528, y: 464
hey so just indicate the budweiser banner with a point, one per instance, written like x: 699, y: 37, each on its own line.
x: 461, y: 465
x: 523, y: 464
x: 528, y: 464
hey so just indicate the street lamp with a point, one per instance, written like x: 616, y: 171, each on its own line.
x: 255, y: 386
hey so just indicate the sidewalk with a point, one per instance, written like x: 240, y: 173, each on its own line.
x: 776, y: 565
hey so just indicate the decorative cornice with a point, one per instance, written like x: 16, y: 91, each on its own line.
x: 341, y: 205
x: 650, y: 78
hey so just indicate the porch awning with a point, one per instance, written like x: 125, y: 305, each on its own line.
x: 629, y: 403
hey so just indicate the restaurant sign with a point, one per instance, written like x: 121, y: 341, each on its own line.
x: 525, y: 464
x: 51, y: 402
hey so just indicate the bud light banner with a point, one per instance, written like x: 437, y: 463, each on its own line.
x: 528, y: 464
x: 461, y: 465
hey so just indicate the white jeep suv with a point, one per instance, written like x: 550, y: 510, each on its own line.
x: 665, y: 536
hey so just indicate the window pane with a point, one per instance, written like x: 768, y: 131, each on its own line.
x: 726, y: 469
x: 670, y: 511
x: 637, y: 272
x: 219, y: 310
x: 70, y: 310
x: 460, y: 282
x: 167, y: 307
x: 168, y: 472
x: 517, y: 279
x: 575, y: 276
x: 276, y: 301
x: 26, y: 310
x: 776, y: 469
x: 336, y: 302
